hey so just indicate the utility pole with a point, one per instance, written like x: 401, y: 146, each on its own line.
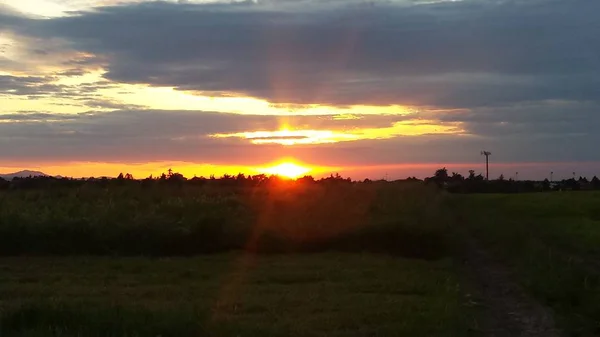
x: 487, y: 163
x: 517, y: 176
x: 551, y: 176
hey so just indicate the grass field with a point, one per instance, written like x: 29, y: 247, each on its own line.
x: 371, y: 259
x: 328, y: 294
x: 552, y: 243
x: 132, y: 220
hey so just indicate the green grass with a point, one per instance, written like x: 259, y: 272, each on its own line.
x: 376, y: 261
x: 358, y: 259
x: 133, y: 220
x: 552, y: 242
x: 327, y: 294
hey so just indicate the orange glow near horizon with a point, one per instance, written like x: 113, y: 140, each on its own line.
x: 293, y: 168
x: 284, y: 167
x: 287, y: 170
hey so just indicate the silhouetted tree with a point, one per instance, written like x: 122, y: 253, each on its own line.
x: 440, y: 177
x: 595, y: 183
x: 198, y: 180
x: 546, y: 185
x: 471, y: 175
x: 176, y: 177
x: 4, y: 184
x: 456, y: 177
x: 335, y: 179
x: 441, y: 174
x: 501, y: 177
x: 571, y: 184
x: 259, y: 179
x: 146, y: 182
x: 310, y: 180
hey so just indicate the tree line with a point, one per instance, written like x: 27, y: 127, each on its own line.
x: 170, y: 178
x: 476, y: 183
x: 453, y: 182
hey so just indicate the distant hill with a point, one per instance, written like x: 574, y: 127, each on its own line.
x: 23, y: 174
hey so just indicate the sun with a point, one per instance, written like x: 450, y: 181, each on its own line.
x: 287, y: 170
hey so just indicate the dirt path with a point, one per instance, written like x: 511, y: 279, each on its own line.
x: 503, y: 308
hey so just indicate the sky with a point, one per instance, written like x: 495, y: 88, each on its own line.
x: 369, y: 89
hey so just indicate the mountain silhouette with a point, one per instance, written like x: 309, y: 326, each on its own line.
x: 23, y: 174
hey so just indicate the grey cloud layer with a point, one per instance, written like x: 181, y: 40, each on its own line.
x: 154, y: 135
x: 459, y: 54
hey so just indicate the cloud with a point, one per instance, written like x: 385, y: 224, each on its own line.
x: 73, y: 72
x: 34, y: 116
x: 459, y: 54
x: 154, y: 135
x: 110, y: 104
x: 82, y: 94
x: 27, y: 85
x: 549, y: 119
x: 454, y: 54
x: 519, y: 78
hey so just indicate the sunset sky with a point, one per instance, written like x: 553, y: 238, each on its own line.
x: 364, y: 88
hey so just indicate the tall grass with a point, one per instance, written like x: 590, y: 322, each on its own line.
x: 397, y: 218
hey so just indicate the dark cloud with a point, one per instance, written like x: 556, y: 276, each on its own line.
x: 540, y: 120
x: 458, y: 54
x: 10, y: 18
x: 31, y: 116
x: 27, y: 85
x: 39, y: 52
x: 73, y: 72
x: 109, y: 104
x: 34, y: 87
